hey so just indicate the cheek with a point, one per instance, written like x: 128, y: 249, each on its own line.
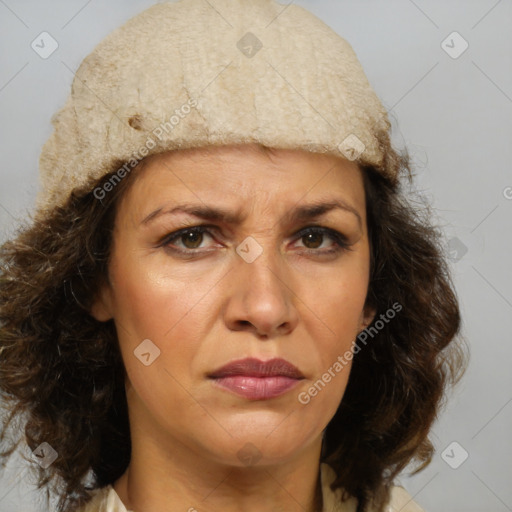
x: 162, y: 303
x: 337, y: 301
x: 150, y: 301
x: 333, y: 320
x: 150, y: 304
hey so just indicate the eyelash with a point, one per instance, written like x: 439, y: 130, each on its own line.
x: 340, y: 241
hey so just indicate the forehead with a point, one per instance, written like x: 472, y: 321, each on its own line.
x: 246, y: 174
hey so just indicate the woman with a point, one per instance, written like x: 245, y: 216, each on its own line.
x: 224, y: 301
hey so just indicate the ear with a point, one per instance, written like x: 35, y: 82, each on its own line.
x: 367, y: 317
x: 101, y: 308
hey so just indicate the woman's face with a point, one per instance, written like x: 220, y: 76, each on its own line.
x: 264, y: 278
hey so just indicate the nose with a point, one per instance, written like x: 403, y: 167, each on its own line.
x: 261, y: 299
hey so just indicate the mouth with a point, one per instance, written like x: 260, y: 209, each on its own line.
x: 257, y: 380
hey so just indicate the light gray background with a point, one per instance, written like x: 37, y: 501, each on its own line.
x: 454, y: 115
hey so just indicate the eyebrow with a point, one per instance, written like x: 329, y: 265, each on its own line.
x: 302, y: 213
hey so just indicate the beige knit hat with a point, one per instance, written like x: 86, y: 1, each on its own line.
x: 194, y: 73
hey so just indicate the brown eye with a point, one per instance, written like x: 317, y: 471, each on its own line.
x: 189, y: 238
x: 192, y: 239
x: 313, y: 240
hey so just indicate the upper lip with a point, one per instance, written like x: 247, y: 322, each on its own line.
x: 255, y: 368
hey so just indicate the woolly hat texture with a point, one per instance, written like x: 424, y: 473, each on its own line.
x: 194, y: 73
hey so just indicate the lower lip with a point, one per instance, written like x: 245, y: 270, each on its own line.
x: 257, y: 388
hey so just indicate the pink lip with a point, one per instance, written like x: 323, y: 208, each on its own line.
x: 257, y: 380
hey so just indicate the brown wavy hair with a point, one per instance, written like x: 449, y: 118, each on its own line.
x: 61, y: 370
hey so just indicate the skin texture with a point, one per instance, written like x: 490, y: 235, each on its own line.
x: 210, y: 306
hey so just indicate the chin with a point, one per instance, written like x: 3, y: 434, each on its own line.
x: 260, y: 446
